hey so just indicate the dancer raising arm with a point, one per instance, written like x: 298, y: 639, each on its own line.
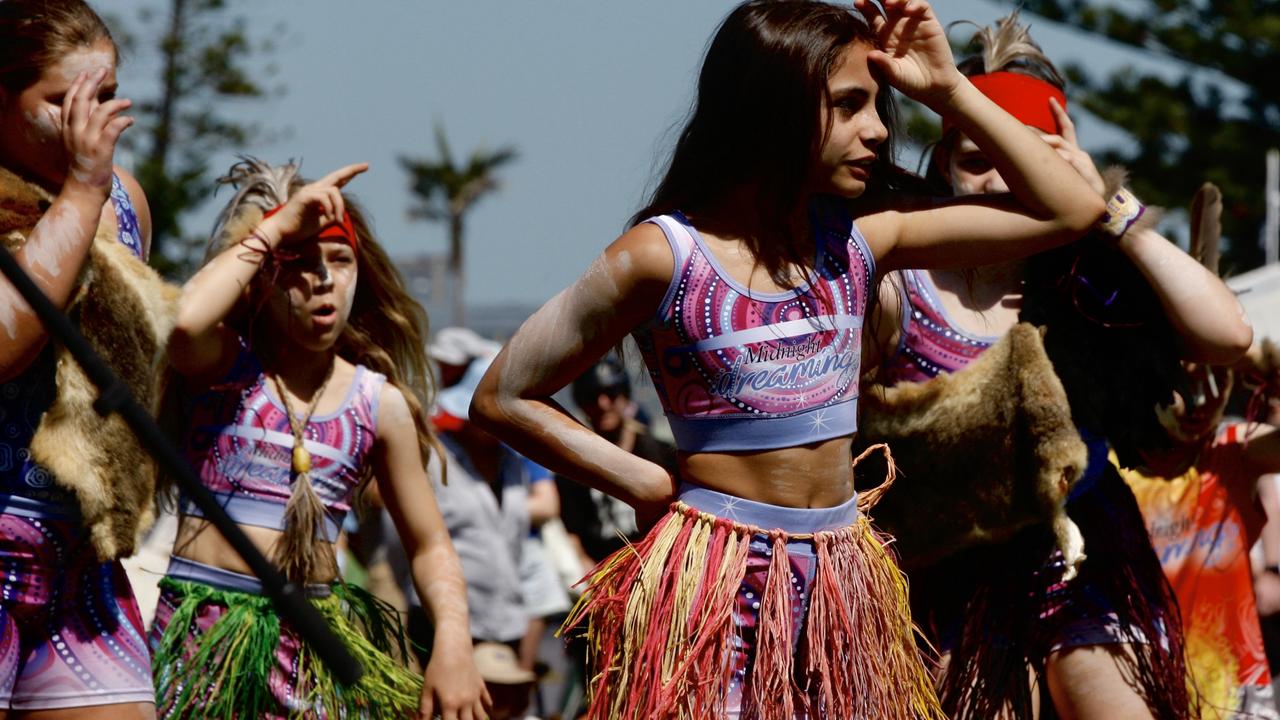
x: 304, y: 354
x: 1089, y: 645
x: 745, y: 282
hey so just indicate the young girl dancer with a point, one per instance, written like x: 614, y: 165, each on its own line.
x: 71, y: 636
x: 310, y: 356
x: 1095, y: 643
x: 763, y: 592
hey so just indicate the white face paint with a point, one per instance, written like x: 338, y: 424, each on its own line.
x: 349, y: 295
x: 86, y: 60
x: 58, y: 233
x: 30, y: 122
x: 43, y: 126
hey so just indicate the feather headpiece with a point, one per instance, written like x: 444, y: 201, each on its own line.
x: 1008, y: 45
x: 260, y: 187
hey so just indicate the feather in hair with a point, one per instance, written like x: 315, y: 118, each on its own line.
x: 260, y: 186
x: 1008, y: 46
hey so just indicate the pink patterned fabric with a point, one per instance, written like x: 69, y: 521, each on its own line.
x: 71, y: 634
x: 930, y: 343
x: 739, y: 369
x: 240, y: 443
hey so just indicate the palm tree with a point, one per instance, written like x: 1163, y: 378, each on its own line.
x: 446, y: 191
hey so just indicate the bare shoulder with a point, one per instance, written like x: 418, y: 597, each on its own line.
x: 642, y: 253
x: 393, y: 408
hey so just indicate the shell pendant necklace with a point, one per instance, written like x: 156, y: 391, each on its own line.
x: 298, y: 426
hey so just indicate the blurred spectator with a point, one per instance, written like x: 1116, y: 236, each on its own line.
x: 453, y: 349
x: 493, y: 505
x: 602, y: 524
x: 509, y: 684
x: 487, y: 536
x: 599, y: 524
x: 371, y: 533
x: 1201, y: 507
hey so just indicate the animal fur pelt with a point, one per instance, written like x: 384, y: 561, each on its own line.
x: 125, y: 311
x: 982, y: 452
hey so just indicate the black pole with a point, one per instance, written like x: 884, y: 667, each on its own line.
x: 114, y: 396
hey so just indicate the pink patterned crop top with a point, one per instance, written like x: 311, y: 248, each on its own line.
x: 929, y: 343
x: 743, y: 370
x: 240, y: 445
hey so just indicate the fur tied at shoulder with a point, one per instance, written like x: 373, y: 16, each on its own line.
x: 126, y: 312
x: 981, y: 453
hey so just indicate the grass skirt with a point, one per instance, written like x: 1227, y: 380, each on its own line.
x: 219, y: 654
x: 677, y: 628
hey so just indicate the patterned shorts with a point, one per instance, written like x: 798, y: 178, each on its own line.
x: 71, y: 634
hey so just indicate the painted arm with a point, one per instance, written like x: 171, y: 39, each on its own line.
x: 618, y: 292
x: 57, y: 247
x: 452, y: 686
x: 1050, y: 205
x: 201, y: 346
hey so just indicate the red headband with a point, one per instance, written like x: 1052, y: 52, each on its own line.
x: 1022, y: 96
x: 343, y: 230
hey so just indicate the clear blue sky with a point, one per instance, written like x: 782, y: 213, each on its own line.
x: 588, y: 91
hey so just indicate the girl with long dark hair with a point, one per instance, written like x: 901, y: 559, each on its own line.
x: 762, y: 591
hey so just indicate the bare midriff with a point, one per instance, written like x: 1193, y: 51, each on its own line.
x: 809, y: 476
x: 200, y: 541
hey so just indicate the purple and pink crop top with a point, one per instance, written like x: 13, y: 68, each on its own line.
x: 930, y: 343
x: 240, y: 445
x: 738, y: 369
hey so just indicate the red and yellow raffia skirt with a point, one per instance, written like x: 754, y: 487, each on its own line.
x: 730, y: 608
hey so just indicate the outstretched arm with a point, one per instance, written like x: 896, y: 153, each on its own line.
x: 57, y: 247
x: 1050, y: 205
x: 452, y: 686
x: 201, y: 346
x: 618, y: 292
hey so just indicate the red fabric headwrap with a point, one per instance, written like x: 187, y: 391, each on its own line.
x: 343, y: 230
x: 1022, y: 96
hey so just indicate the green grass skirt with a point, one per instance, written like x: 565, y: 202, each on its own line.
x: 239, y: 661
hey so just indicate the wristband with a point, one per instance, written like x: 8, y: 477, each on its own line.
x: 1123, y: 210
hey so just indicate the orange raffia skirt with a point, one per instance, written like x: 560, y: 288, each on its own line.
x: 730, y: 608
